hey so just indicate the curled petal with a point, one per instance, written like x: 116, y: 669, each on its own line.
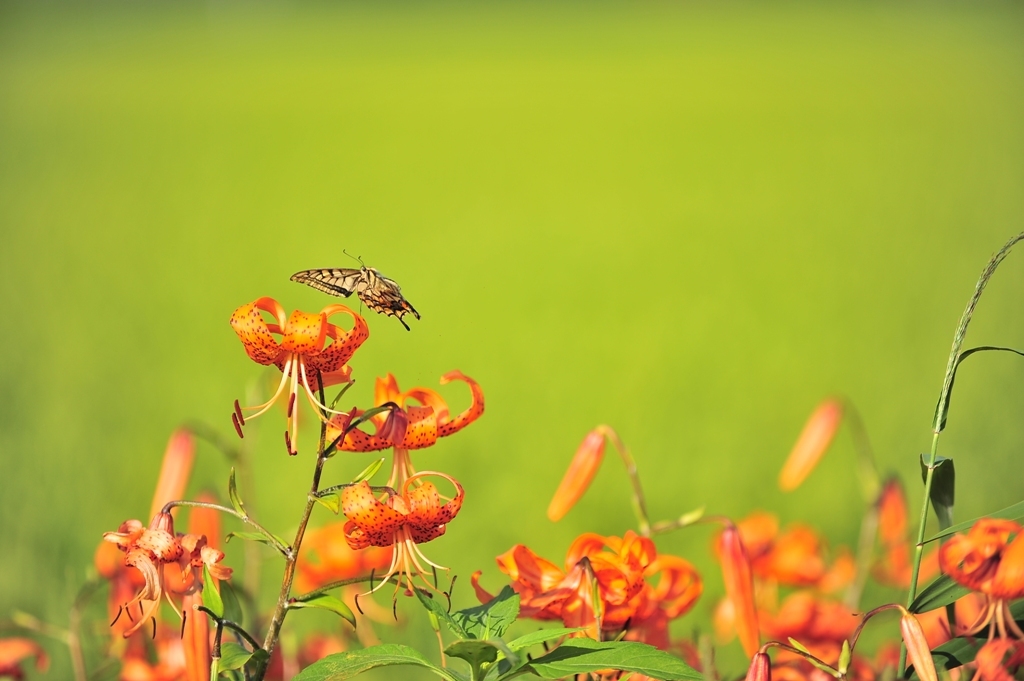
x: 679, y: 585
x: 578, y: 476
x: 344, y: 344
x: 813, y: 442
x: 420, y: 428
x: 255, y: 333
x: 304, y: 333
x: 386, y: 390
x: 356, y: 440
x: 447, y: 426
x: 528, y: 571
x: 482, y: 594
x: 1008, y: 581
x: 376, y: 522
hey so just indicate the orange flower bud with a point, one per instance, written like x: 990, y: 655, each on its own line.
x: 813, y: 442
x: 175, y: 471
x: 577, y: 478
x: 739, y: 588
x: 760, y: 668
x: 917, y: 647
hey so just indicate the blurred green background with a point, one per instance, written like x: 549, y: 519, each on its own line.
x: 691, y: 221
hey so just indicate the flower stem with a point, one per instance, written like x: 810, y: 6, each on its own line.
x: 639, y: 504
x: 275, y: 542
x: 283, y: 598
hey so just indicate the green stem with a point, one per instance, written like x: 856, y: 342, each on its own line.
x: 639, y: 504
x: 230, y: 511
x: 939, y: 421
x: 284, y: 596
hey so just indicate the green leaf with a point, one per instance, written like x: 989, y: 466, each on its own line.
x: 233, y: 656
x: 479, y: 654
x: 369, y: 471
x: 236, y: 501
x: 331, y: 501
x: 541, y: 636
x: 326, y: 602
x: 255, y: 536
x: 232, y: 608
x: 943, y: 488
x: 211, y: 597
x: 1015, y: 512
x: 583, y: 655
x: 942, y: 408
x: 938, y: 594
x: 351, y: 663
x: 441, y: 612
x: 492, y: 619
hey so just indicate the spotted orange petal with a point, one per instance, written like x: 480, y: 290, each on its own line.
x: 371, y: 523
x: 421, y: 430
x: 255, y: 333
x: 343, y: 343
x: 472, y: 413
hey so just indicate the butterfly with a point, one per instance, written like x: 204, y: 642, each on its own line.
x: 380, y: 294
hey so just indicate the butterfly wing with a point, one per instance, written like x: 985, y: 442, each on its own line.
x: 341, y: 282
x: 384, y: 296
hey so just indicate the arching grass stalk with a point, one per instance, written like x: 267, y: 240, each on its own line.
x: 939, y: 422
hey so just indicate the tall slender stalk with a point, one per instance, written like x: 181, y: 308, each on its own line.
x: 939, y: 422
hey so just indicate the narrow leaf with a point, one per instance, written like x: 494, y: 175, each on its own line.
x: 232, y: 608
x: 331, y: 501
x: 236, y: 500
x: 254, y: 536
x: 233, y: 656
x: 583, y: 655
x: 1015, y: 512
x: 369, y: 471
x: 938, y: 594
x: 211, y: 597
x: 942, y: 408
x: 492, y: 619
x: 943, y: 488
x: 354, y: 662
x: 541, y: 636
x: 326, y: 602
x: 435, y: 608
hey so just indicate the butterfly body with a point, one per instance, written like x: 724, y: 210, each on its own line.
x: 380, y: 294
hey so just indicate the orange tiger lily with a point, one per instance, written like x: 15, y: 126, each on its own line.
x: 414, y: 516
x: 894, y: 566
x: 989, y: 559
x: 300, y: 354
x: 408, y: 426
x: 617, y: 569
x: 167, y: 562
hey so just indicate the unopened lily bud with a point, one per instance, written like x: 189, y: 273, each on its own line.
x: 760, y: 668
x: 917, y: 647
x: 579, y: 475
x: 739, y: 588
x: 162, y: 522
x: 175, y: 471
x: 813, y: 442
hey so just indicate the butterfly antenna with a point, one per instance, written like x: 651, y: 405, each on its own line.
x: 358, y: 259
